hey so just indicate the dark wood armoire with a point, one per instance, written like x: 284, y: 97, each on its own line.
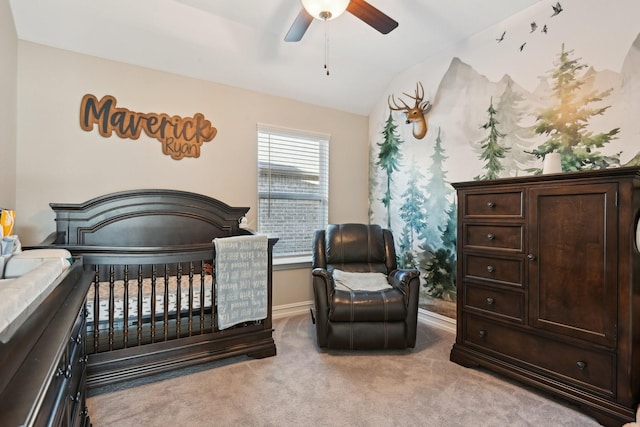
x: 549, y: 285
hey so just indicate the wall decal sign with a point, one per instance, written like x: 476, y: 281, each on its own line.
x: 180, y: 137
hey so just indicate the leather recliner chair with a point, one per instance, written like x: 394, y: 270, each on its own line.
x: 362, y: 319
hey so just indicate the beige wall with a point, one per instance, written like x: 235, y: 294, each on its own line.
x: 59, y: 162
x: 8, y: 102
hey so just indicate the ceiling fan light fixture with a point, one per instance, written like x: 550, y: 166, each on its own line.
x: 325, y: 10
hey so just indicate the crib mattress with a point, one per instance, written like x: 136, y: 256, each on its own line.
x: 183, y: 290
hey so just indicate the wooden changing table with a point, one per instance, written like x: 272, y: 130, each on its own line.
x: 43, y: 375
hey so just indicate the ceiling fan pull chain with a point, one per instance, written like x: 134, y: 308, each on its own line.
x: 326, y: 46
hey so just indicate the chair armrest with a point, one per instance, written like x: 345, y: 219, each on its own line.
x: 323, y: 287
x: 323, y: 280
x: 321, y: 272
x: 404, y: 278
x: 408, y: 281
x: 323, y: 283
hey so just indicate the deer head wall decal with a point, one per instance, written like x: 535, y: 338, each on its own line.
x: 415, y: 114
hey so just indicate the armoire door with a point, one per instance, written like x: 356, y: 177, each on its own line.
x: 572, y: 260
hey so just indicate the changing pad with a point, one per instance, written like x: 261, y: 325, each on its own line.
x: 21, y: 296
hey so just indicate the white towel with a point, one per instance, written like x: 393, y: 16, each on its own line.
x: 241, y: 279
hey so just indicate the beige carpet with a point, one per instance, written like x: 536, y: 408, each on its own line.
x: 303, y: 386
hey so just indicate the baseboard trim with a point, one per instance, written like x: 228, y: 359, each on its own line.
x: 437, y: 320
x: 424, y: 316
x: 287, y: 310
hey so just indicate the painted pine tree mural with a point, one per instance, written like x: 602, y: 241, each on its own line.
x: 438, y: 192
x: 450, y: 231
x: 373, y: 180
x: 492, y: 151
x: 405, y: 256
x: 437, y: 257
x: 440, y: 271
x: 414, y: 217
x: 389, y: 160
x: 565, y: 123
x: 510, y: 113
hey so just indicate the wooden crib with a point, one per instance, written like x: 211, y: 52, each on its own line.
x: 151, y: 306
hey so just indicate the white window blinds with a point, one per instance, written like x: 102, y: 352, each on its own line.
x: 293, y: 188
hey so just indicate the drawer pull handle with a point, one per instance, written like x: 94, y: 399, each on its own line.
x: 482, y: 333
x: 491, y: 204
x: 490, y: 301
x: 490, y: 268
x: 531, y: 257
x: 491, y: 236
x: 581, y: 365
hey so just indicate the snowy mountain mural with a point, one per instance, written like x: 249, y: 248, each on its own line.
x: 486, y: 128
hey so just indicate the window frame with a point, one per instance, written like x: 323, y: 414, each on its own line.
x: 294, y: 168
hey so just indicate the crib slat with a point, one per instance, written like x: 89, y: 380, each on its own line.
x: 111, y: 306
x: 125, y: 308
x: 190, y: 322
x: 96, y: 310
x: 139, y: 326
x: 178, y: 298
x: 201, y: 296
x: 153, y: 303
x: 166, y: 304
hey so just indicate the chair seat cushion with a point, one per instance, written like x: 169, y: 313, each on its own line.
x: 368, y: 306
x: 370, y: 281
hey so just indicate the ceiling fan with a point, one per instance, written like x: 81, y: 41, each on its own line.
x: 326, y: 10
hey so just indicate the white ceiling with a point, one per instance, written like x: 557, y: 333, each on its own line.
x: 240, y: 42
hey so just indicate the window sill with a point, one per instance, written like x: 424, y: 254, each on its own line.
x: 291, y: 263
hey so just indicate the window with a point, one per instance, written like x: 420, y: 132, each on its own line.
x: 293, y: 188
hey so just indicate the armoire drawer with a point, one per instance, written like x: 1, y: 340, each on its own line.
x: 506, y: 271
x: 504, y: 204
x: 493, y: 236
x: 498, y: 302
x: 589, y: 369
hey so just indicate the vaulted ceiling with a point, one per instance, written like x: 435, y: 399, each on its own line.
x: 241, y: 42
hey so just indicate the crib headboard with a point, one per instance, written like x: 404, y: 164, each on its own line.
x: 143, y: 224
x: 146, y: 218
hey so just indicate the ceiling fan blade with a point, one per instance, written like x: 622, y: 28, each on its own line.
x: 372, y: 16
x: 299, y: 26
